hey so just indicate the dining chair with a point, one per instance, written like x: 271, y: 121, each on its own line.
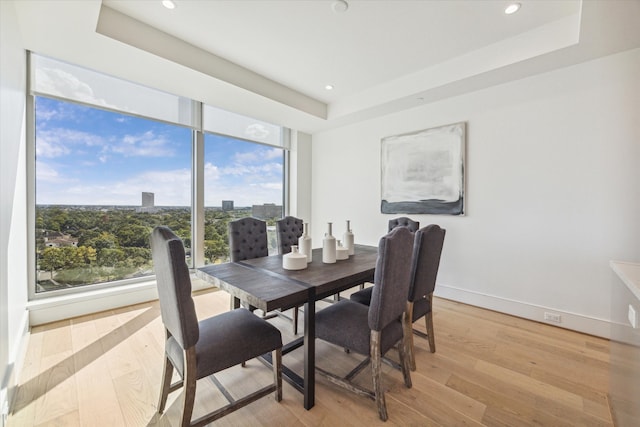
x: 288, y: 231
x: 375, y: 329
x: 198, y: 349
x: 248, y: 240
x: 427, y: 249
x: 403, y: 221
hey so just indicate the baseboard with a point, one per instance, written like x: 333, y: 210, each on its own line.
x: 573, y: 321
x: 73, y: 305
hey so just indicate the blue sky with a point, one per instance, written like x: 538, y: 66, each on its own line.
x: 88, y: 156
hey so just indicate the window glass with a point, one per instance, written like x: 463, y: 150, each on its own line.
x: 113, y: 159
x: 241, y: 179
x: 103, y: 181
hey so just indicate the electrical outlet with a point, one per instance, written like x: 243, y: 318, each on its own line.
x: 633, y: 317
x: 552, y: 317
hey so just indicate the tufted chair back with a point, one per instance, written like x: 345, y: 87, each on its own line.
x: 403, y: 221
x: 288, y: 230
x: 247, y: 239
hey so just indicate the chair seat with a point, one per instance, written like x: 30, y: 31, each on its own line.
x: 421, y: 306
x: 363, y: 296
x: 224, y: 341
x: 346, y: 324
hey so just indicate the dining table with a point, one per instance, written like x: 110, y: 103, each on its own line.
x: 264, y: 283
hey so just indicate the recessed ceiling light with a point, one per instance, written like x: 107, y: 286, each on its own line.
x: 329, y: 87
x: 340, y: 6
x: 512, y: 8
x: 168, y: 4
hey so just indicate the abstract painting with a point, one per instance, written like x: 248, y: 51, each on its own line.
x: 423, y: 172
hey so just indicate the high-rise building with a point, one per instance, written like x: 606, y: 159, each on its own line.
x: 147, y: 200
x: 227, y: 205
x: 148, y: 203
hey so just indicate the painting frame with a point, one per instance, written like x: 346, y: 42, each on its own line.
x: 423, y: 172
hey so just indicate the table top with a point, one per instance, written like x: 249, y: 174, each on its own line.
x: 263, y: 283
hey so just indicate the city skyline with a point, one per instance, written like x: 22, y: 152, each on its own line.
x: 88, y: 156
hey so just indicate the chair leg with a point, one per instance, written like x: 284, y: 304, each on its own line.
x: 276, y: 356
x: 408, y: 334
x: 429, y: 324
x: 189, y: 385
x: 376, y: 359
x: 428, y: 318
x: 166, y: 384
x: 404, y: 352
x: 295, y: 320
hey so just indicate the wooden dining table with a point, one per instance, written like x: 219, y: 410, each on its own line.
x: 264, y: 284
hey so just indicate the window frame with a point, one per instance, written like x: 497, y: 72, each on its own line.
x: 197, y: 188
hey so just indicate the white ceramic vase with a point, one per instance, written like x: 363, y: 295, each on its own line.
x: 348, y: 239
x: 329, y: 246
x: 305, y: 243
x: 294, y: 260
x: 341, y: 251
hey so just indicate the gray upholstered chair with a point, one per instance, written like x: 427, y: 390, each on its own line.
x: 288, y: 230
x: 403, y: 221
x: 427, y: 249
x: 198, y: 349
x: 248, y: 240
x: 375, y: 329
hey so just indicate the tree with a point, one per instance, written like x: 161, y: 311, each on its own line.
x: 104, y: 240
x: 51, y: 260
x: 110, y: 257
x: 216, y: 249
x: 88, y: 254
x: 137, y: 257
x: 134, y: 236
x: 71, y: 258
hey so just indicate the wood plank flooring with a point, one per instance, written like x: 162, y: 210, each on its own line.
x: 489, y: 369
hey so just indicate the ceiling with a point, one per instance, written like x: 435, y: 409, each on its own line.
x: 272, y: 59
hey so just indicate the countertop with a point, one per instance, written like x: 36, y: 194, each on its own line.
x: 629, y: 273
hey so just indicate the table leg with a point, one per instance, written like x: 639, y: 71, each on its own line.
x: 310, y: 351
x: 235, y: 303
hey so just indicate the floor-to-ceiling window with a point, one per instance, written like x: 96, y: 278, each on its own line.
x: 103, y: 180
x: 112, y: 159
x: 244, y: 175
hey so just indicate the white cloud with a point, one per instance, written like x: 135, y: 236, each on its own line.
x: 273, y: 153
x: 211, y: 172
x: 58, y: 142
x: 46, y: 173
x: 146, y: 144
x: 257, y: 156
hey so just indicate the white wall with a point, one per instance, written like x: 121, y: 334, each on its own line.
x: 553, y: 183
x: 13, y: 225
x: 300, y: 176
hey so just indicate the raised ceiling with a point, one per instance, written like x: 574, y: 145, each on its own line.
x: 273, y: 59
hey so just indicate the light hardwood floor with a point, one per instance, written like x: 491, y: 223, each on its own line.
x: 489, y: 369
